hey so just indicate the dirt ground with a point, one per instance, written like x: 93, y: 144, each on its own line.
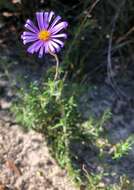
x: 25, y: 162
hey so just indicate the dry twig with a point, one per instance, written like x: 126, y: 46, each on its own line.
x: 10, y: 164
x: 109, y: 56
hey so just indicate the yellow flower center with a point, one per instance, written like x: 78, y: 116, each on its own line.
x: 44, y: 35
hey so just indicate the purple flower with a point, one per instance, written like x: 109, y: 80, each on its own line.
x: 45, y: 37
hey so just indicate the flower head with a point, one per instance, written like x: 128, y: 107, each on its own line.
x: 46, y: 36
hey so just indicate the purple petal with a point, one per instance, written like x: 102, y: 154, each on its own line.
x: 50, y: 47
x: 59, y: 42
x: 59, y: 36
x: 31, y: 49
x: 21, y: 36
x: 28, y: 35
x: 58, y: 27
x: 40, y: 43
x: 46, y: 19
x: 29, y: 22
x: 56, y: 20
x: 30, y: 28
x: 55, y: 45
x: 29, y: 39
x: 41, y: 51
x: 46, y: 47
x: 51, y: 14
x: 40, y: 20
x: 34, y: 47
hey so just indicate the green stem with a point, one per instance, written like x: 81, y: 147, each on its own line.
x: 57, y: 64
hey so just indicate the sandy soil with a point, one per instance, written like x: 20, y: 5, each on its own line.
x: 25, y: 162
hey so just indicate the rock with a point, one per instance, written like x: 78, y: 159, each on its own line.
x: 5, y: 104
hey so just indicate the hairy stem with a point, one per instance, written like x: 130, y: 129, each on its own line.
x: 57, y: 64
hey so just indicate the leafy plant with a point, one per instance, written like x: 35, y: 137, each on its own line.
x: 52, y: 109
x: 122, y: 148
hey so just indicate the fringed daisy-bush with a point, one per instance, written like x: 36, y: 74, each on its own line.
x: 47, y: 36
